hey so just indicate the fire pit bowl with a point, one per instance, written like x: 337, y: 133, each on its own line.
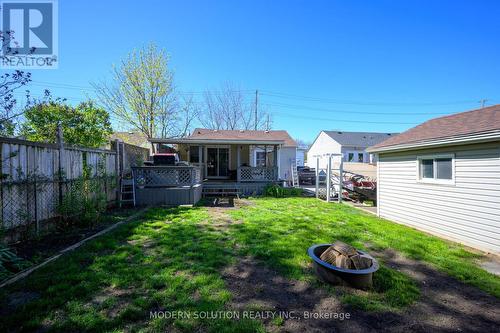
x: 357, y: 278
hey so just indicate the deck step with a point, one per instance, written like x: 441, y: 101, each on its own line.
x: 220, y: 191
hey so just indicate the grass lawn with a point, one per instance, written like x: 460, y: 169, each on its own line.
x: 171, y: 259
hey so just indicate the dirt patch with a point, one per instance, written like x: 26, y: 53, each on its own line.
x: 220, y: 217
x: 446, y: 304
x: 16, y: 300
x: 35, y: 250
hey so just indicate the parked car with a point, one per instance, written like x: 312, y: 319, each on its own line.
x: 164, y: 159
x: 307, y: 175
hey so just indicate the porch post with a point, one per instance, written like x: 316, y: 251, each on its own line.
x: 265, y: 154
x: 238, y: 163
x: 275, y: 158
x: 200, y: 161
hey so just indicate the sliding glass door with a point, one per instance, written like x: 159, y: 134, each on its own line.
x: 217, y: 162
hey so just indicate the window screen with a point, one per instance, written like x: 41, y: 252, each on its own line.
x: 443, y: 168
x: 427, y: 168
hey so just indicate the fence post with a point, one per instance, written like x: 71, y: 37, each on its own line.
x: 317, y: 177
x: 118, y: 159
x: 1, y: 186
x: 329, y: 179
x: 35, y: 197
x: 341, y: 177
x: 60, y: 143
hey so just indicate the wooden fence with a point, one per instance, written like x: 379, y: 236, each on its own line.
x: 35, y: 176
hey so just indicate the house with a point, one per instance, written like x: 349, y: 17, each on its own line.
x: 224, y: 151
x: 443, y: 177
x: 352, y: 146
x: 242, y: 161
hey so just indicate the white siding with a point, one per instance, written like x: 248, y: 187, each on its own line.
x: 468, y: 211
x: 323, y: 144
x: 287, y: 157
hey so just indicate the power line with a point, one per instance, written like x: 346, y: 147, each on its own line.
x: 270, y: 93
x: 302, y: 107
x: 342, y: 120
x: 337, y: 101
x: 88, y: 88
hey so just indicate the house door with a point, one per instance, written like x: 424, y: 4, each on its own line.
x: 217, y: 162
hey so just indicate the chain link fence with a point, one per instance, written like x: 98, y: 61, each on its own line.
x: 28, y: 205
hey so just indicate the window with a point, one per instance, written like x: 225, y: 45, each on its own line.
x: 427, y: 168
x: 360, y: 157
x: 436, y: 169
x: 350, y: 157
x: 194, y: 154
x: 260, y: 158
x: 443, y: 168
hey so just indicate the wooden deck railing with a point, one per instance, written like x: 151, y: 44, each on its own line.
x: 166, y: 176
x: 257, y: 174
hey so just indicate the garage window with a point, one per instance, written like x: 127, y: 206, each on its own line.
x: 436, y: 169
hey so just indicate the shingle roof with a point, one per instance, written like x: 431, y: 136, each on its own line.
x: 279, y: 135
x: 358, y: 139
x: 459, y: 124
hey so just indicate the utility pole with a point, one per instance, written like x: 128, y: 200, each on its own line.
x: 256, y: 103
x: 483, y: 101
x: 267, y: 123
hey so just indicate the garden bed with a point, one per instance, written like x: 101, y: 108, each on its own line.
x: 35, y: 250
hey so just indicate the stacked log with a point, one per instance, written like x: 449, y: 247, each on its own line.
x: 344, y: 255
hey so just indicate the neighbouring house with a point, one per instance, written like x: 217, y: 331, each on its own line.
x: 242, y: 161
x: 352, y: 146
x: 443, y: 177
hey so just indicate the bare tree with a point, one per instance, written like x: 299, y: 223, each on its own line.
x: 303, y: 143
x: 142, y: 95
x: 228, y: 108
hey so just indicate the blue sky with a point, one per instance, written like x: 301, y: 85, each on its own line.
x: 368, y: 65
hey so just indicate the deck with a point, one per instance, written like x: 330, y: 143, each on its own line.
x: 184, y: 185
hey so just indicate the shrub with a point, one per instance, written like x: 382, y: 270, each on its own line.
x: 282, y: 192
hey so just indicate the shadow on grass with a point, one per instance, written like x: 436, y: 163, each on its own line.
x: 169, y: 260
x: 280, y: 236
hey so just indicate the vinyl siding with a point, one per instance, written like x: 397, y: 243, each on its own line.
x: 323, y: 144
x: 467, y: 211
x: 287, y: 157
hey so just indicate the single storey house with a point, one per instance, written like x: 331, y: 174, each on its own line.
x: 352, y: 146
x: 223, y: 152
x: 216, y: 161
x: 443, y: 177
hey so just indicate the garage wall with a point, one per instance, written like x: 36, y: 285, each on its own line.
x: 323, y: 144
x: 287, y: 157
x: 468, y: 211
